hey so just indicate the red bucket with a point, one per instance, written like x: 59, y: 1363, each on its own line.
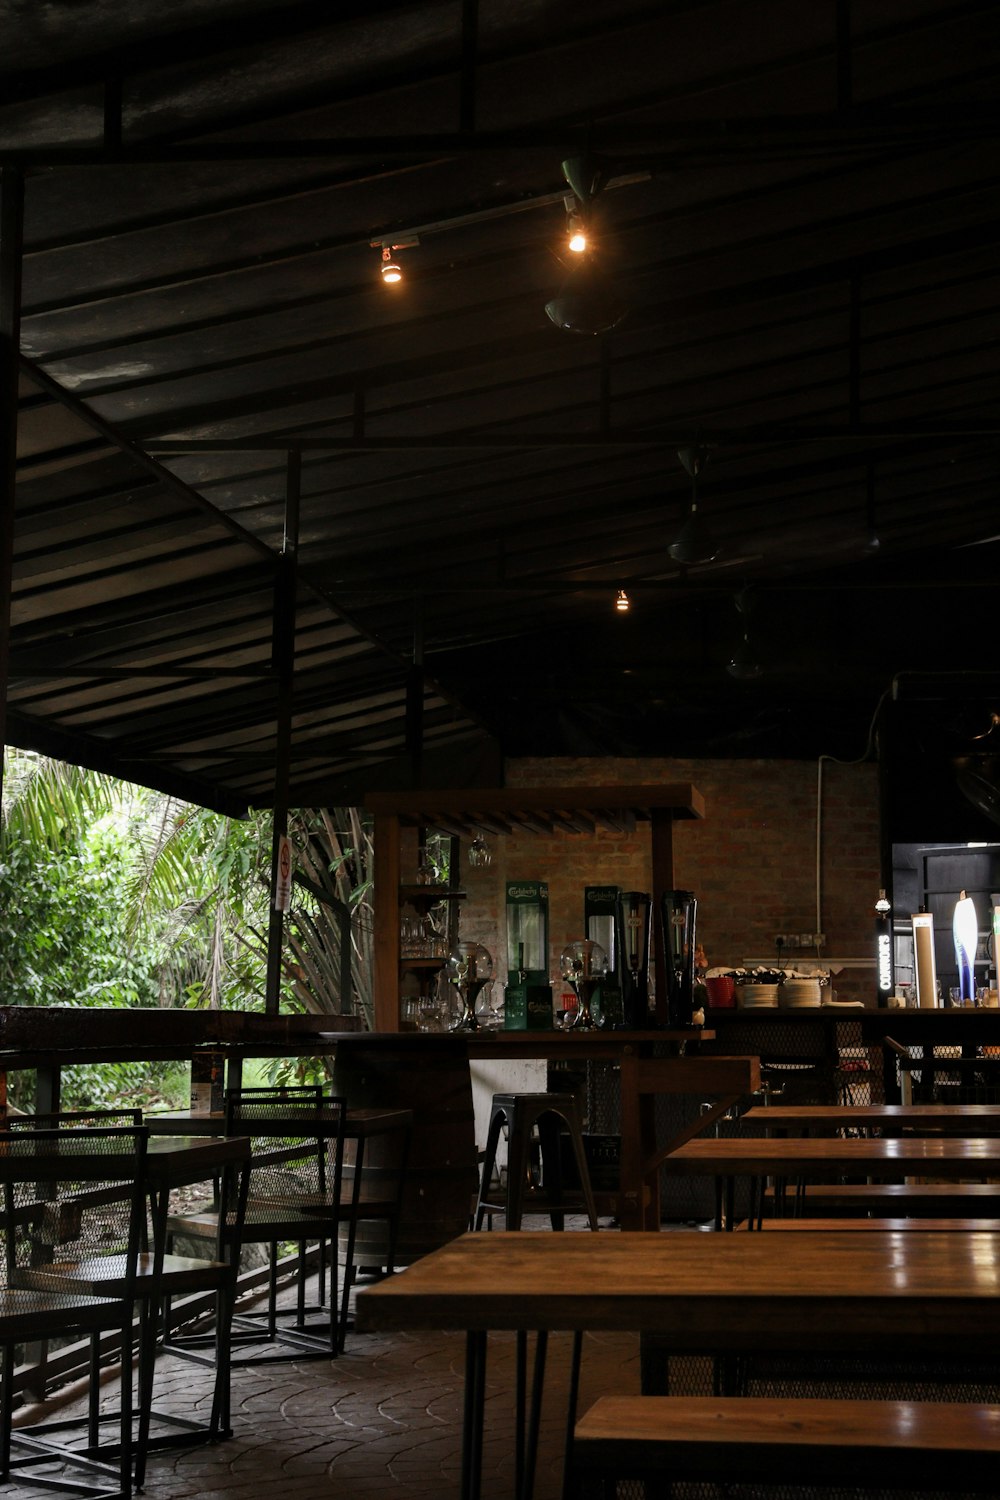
x: 721, y: 992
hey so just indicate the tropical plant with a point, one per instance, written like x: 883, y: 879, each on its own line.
x: 174, y: 895
x: 62, y: 869
x: 198, y: 895
x: 328, y: 959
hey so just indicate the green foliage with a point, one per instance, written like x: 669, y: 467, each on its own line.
x: 115, y: 895
x: 332, y: 901
x: 62, y: 927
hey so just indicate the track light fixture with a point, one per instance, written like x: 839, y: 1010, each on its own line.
x: 587, y: 301
x: 390, y: 269
x: 694, y: 542
x: 622, y: 602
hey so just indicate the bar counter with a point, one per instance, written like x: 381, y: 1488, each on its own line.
x: 423, y: 1071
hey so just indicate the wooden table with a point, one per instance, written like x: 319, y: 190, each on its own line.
x: 906, y: 1295
x: 946, y: 1119
x: 802, y: 1157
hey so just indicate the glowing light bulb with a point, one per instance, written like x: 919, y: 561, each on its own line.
x: 622, y: 602
x: 578, y: 241
x: 391, y: 272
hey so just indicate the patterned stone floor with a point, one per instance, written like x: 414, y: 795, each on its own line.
x: 382, y: 1420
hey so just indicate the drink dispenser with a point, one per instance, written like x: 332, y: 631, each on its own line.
x: 602, y: 926
x: 634, y: 919
x: 678, y: 910
x: 528, y: 994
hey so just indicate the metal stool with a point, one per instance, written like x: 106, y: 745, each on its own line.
x: 521, y: 1113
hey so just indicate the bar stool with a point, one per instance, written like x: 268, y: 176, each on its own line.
x: 522, y: 1113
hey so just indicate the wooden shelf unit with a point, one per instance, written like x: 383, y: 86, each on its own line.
x: 543, y: 811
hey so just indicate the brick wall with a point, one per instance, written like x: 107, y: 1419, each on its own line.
x: 751, y: 862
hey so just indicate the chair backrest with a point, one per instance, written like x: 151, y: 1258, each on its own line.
x: 72, y: 1195
x: 296, y: 1142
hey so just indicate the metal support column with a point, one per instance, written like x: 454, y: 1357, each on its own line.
x: 283, y: 662
x: 11, y: 241
x: 415, y: 698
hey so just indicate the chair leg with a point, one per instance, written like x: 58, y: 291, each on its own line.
x: 580, y: 1156
x: 489, y: 1162
x: 272, y: 1292
x: 517, y: 1173
x: 221, y: 1420
x: 549, y: 1135
x: 6, y: 1409
x: 125, y: 1458
x: 148, y: 1317
x: 93, y: 1393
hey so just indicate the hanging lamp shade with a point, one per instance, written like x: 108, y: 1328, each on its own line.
x: 587, y: 302
x: 743, y: 664
x: 694, y: 543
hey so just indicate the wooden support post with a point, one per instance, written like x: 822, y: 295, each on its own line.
x: 386, y: 942
x: 662, y: 852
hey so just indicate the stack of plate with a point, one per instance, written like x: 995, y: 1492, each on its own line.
x: 757, y: 996
x: 796, y: 993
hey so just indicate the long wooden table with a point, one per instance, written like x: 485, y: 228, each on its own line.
x: 901, y: 1295
x: 945, y: 1119
x: 885, y: 1159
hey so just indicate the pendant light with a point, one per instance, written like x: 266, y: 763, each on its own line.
x: 743, y: 664
x: 694, y: 542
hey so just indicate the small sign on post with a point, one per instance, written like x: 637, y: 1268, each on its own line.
x: 283, y: 884
x: 208, y: 1071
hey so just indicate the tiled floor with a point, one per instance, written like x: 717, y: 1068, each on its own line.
x: 383, y: 1419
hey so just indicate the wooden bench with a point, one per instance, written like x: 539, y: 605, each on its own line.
x: 945, y: 1222
x: 915, y: 1445
x: 892, y: 1199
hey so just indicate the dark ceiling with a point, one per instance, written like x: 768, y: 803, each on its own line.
x: 797, y: 203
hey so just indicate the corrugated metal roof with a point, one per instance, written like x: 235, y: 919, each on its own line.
x: 801, y: 214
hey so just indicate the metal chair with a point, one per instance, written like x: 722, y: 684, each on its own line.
x: 296, y: 1170
x: 157, y: 1275
x: 73, y: 1222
